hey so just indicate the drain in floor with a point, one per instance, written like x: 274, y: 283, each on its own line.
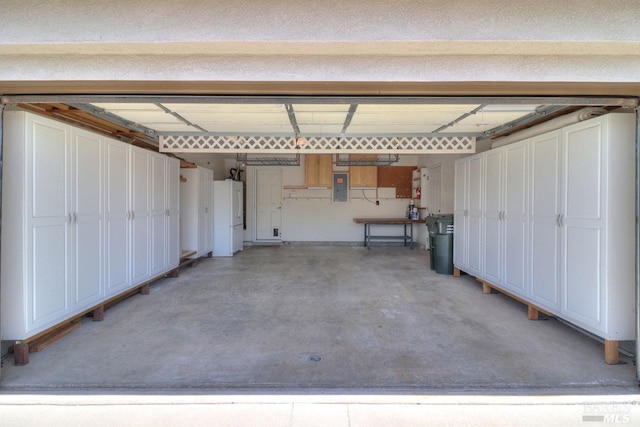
x: 315, y: 358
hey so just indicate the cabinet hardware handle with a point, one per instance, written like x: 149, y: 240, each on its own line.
x: 69, y: 219
x: 561, y: 220
x: 75, y: 218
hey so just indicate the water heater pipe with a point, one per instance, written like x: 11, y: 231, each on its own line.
x: 557, y: 123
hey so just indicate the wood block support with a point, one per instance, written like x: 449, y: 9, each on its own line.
x: 611, y: 354
x: 210, y: 255
x: 21, y: 353
x: 486, y: 289
x: 533, y: 313
x: 98, y: 314
x: 144, y: 289
x: 456, y: 272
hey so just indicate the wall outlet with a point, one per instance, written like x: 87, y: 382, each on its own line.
x: 377, y: 202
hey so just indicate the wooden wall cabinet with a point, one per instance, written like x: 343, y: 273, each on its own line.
x: 363, y: 176
x: 318, y: 170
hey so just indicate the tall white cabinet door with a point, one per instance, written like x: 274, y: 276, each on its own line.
x: 173, y: 212
x: 544, y: 219
x: 492, y: 221
x: 582, y: 224
x: 205, y: 237
x: 140, y: 224
x: 87, y: 209
x: 158, y: 214
x: 117, y: 217
x: 475, y: 214
x: 461, y: 172
x: 514, y: 217
x: 48, y: 222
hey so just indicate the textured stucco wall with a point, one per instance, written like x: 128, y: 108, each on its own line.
x: 375, y: 40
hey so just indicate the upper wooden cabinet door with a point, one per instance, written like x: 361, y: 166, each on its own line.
x: 318, y: 169
x: 363, y: 176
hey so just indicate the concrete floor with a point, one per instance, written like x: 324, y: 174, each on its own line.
x: 335, y: 334
x: 320, y: 317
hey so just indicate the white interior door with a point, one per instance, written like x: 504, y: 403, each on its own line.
x: 433, y: 190
x: 268, y: 204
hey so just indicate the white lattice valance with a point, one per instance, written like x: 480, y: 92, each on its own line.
x: 338, y: 145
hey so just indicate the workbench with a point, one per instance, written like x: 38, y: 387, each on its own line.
x: 407, y: 223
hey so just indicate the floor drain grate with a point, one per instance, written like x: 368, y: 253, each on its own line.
x: 315, y: 358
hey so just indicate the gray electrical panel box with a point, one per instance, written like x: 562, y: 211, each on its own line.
x: 340, y: 187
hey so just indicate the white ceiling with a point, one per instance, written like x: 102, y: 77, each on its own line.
x: 318, y: 119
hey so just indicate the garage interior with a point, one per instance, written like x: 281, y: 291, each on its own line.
x: 298, y: 311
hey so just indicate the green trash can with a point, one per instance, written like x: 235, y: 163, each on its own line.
x: 444, y: 253
x: 432, y: 229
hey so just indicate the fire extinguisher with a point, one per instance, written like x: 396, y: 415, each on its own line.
x: 418, y: 191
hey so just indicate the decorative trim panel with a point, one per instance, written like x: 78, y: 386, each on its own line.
x: 334, y: 145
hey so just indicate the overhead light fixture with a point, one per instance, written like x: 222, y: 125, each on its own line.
x: 300, y: 141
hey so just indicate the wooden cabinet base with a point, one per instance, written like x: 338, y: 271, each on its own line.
x: 611, y: 353
x: 22, y: 348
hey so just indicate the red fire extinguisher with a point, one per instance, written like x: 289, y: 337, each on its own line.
x: 418, y: 191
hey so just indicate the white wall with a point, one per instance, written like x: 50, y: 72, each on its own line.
x: 214, y: 162
x: 309, y: 215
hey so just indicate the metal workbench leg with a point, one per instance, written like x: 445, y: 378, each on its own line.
x: 411, y: 225
x: 365, y: 234
x: 367, y: 231
x: 404, y: 235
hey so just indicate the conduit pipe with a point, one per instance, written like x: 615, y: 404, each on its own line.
x: 557, y: 123
x: 637, y: 360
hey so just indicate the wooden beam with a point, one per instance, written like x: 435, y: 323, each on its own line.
x: 187, y: 165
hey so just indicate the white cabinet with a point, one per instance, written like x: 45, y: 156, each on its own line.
x: 140, y: 219
x: 164, y: 213
x: 468, y: 213
x: 81, y: 209
x: 51, y: 253
x: 504, y: 222
x: 196, y: 210
x: 596, y: 220
x: 514, y: 217
x: 559, y: 221
x: 544, y: 243
x: 492, y: 218
x: 173, y: 212
x: 117, y: 217
x: 88, y: 222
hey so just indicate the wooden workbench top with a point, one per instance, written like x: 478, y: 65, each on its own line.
x: 387, y: 220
